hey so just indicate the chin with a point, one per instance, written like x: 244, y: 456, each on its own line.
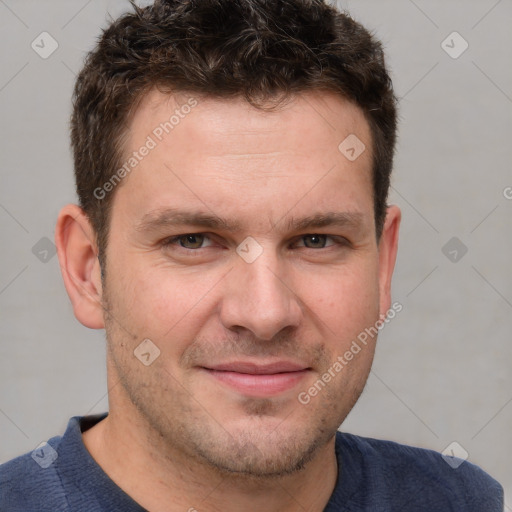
x: 267, y: 450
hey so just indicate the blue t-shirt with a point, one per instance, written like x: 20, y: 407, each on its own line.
x: 373, y: 476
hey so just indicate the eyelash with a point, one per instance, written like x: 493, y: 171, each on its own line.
x: 340, y: 241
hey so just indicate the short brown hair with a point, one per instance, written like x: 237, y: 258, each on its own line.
x: 257, y: 49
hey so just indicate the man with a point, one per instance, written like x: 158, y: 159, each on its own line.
x: 232, y: 161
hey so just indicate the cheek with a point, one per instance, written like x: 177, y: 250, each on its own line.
x: 346, y: 301
x: 161, y: 304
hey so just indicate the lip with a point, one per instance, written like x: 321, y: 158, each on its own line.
x: 259, y: 380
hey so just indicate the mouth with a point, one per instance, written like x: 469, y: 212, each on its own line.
x: 258, y: 380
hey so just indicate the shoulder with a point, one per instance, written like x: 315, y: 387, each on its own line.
x: 58, y: 476
x: 26, y: 479
x: 422, y: 474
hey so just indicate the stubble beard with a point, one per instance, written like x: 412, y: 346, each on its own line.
x: 177, y: 426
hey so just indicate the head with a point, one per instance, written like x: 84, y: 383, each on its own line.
x: 221, y: 217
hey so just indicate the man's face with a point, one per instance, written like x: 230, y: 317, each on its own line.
x: 243, y: 326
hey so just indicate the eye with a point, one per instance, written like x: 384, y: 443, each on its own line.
x: 316, y: 241
x: 189, y: 241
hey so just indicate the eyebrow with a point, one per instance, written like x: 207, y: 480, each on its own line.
x: 171, y: 217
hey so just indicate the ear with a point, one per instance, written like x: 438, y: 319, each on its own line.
x: 79, y: 264
x: 388, y: 247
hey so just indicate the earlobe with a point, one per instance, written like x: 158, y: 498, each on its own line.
x: 388, y: 248
x: 77, y: 252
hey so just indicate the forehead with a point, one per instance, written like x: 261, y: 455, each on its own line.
x: 317, y: 117
x: 221, y: 154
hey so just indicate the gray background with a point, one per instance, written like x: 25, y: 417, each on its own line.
x: 442, y: 369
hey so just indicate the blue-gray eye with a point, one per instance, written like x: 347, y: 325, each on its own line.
x: 318, y: 241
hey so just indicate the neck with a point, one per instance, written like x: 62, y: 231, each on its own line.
x: 155, y: 475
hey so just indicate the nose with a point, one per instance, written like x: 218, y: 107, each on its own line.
x: 259, y: 297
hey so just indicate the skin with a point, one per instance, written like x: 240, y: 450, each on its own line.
x: 176, y: 437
